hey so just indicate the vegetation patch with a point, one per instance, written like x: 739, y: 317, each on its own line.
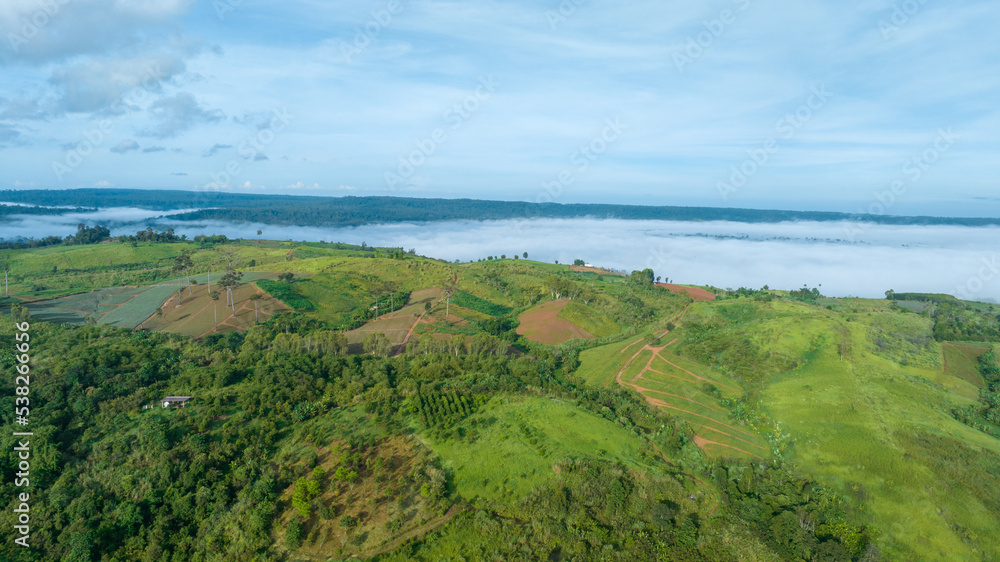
x: 472, y: 302
x: 589, y: 319
x: 543, y: 325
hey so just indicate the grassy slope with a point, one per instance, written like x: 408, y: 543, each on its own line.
x: 589, y: 319
x: 560, y: 431
x: 852, y: 423
x: 879, y: 432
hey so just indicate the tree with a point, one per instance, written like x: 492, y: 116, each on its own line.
x: 579, y: 262
x: 376, y: 344
x: 255, y: 297
x: 503, y: 256
x: 293, y: 534
x: 525, y: 255
x: 259, y: 232
x: 286, y: 277
x: 215, y: 298
x: 183, y: 263
x: 890, y: 294
x: 230, y: 281
x: 19, y: 313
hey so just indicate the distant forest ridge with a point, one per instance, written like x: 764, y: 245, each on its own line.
x: 352, y: 211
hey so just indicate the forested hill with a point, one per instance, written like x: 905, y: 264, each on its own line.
x: 351, y: 211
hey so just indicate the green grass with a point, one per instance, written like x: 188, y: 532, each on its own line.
x: 472, y: 302
x: 504, y: 463
x: 589, y: 319
x: 851, y: 422
x: 962, y: 361
x: 599, y: 365
x: 285, y: 292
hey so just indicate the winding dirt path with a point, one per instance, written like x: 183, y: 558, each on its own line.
x: 635, y: 384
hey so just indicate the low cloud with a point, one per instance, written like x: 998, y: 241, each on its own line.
x: 153, y: 149
x: 215, y: 150
x: 125, y: 146
x: 782, y: 256
x: 178, y: 113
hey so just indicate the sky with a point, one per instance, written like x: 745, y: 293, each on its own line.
x: 864, y: 107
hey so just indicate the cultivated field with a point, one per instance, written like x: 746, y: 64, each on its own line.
x: 120, y: 307
x: 543, y: 324
x: 195, y: 313
x: 696, y: 293
x: 398, y: 326
x: 962, y: 360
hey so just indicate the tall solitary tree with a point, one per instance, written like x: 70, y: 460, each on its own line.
x: 255, y: 297
x: 230, y: 281
x: 215, y: 299
x: 183, y: 263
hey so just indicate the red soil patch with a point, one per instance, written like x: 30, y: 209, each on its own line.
x: 543, y: 325
x: 695, y: 293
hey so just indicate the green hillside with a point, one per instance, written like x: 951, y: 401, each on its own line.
x: 377, y: 420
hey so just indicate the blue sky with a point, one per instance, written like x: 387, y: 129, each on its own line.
x: 868, y: 106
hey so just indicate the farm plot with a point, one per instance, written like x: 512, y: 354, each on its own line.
x: 543, y: 325
x: 120, y: 307
x: 196, y: 313
x: 694, y: 398
x: 397, y: 326
x: 962, y: 360
x: 696, y: 293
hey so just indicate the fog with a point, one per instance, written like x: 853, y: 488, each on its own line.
x: 941, y: 259
x: 846, y: 259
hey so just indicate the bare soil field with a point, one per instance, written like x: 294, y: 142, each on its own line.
x: 696, y: 293
x: 543, y: 325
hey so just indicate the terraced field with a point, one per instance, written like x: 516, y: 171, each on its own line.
x: 673, y: 385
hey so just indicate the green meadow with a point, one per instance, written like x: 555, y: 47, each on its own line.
x: 530, y: 435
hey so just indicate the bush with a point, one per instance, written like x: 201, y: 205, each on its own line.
x: 293, y: 535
